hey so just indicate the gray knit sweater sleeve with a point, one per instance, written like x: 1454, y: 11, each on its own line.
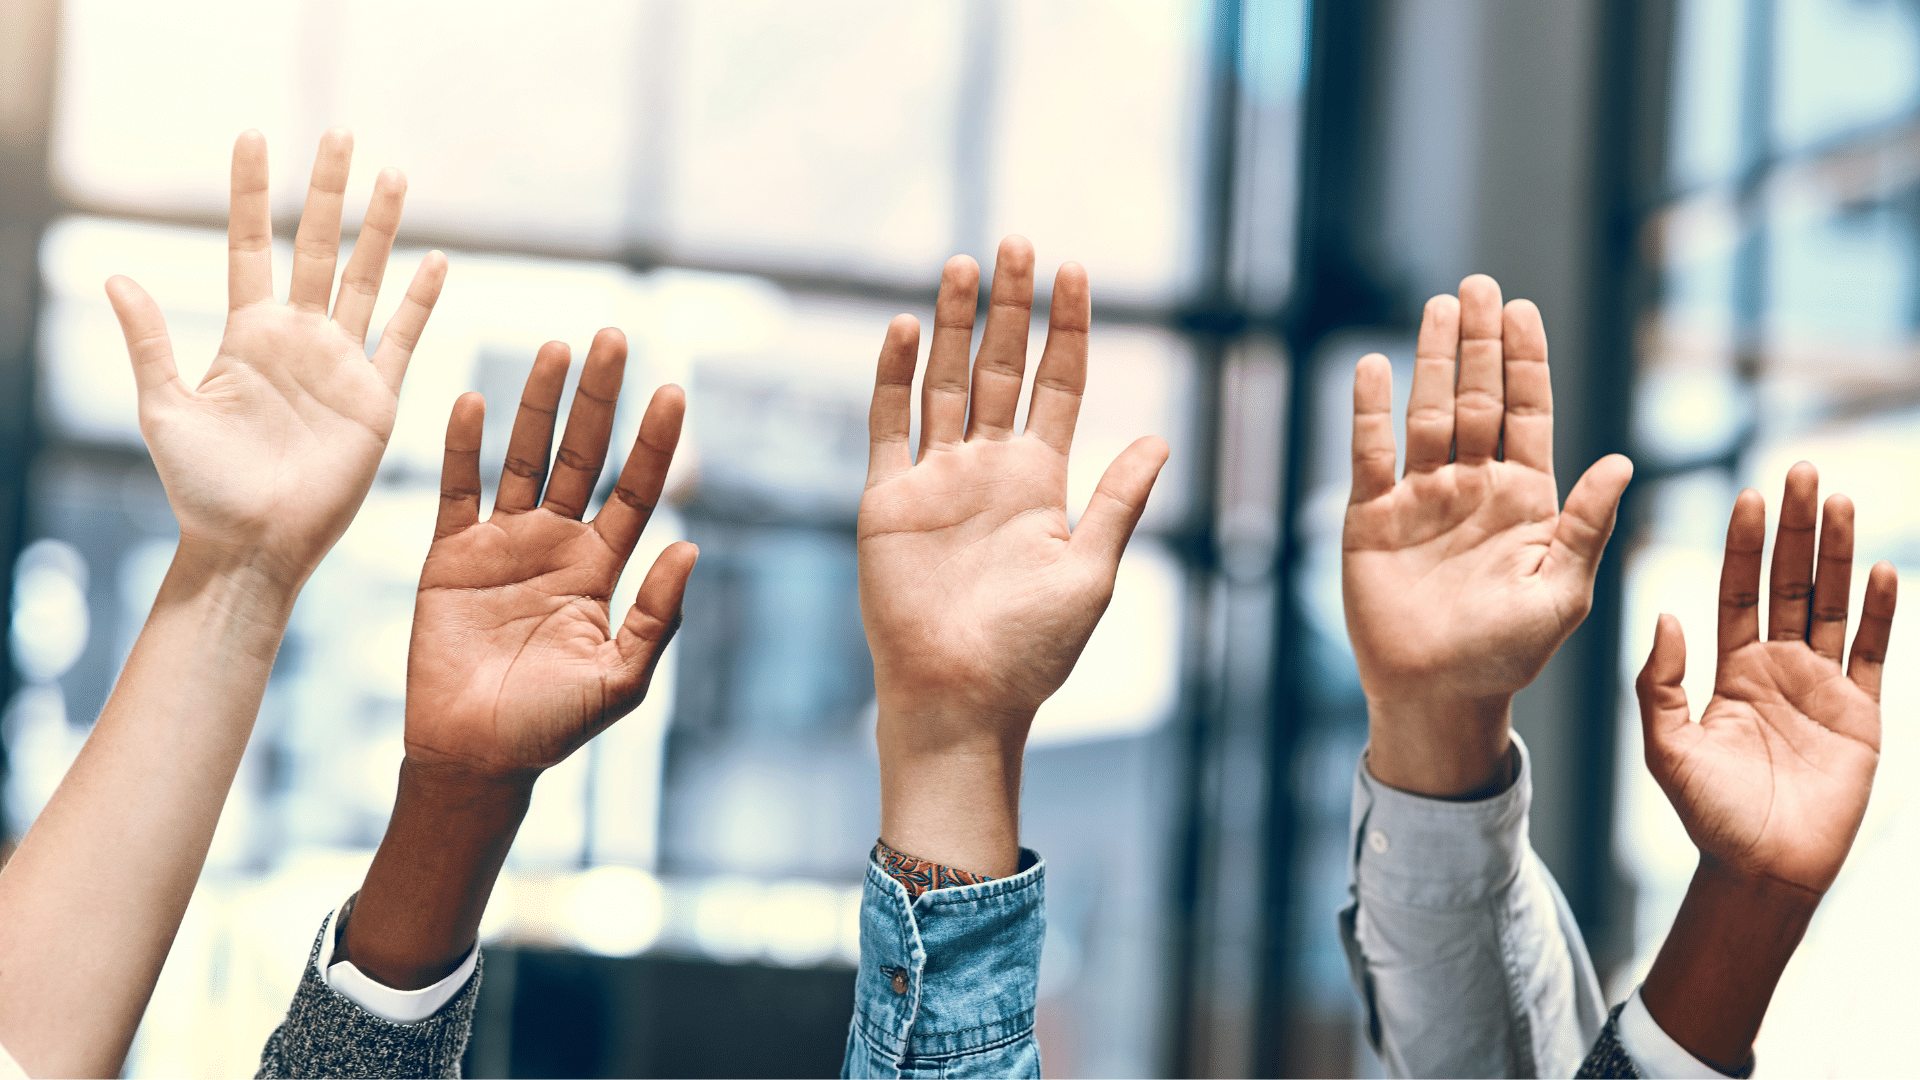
x: 326, y: 1034
x: 1608, y: 1058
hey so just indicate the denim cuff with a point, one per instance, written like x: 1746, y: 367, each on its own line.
x: 1432, y: 853
x: 953, y: 972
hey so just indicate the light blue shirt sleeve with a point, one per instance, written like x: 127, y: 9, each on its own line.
x: 948, y: 981
x: 1463, y: 950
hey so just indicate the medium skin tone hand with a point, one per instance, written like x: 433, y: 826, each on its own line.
x: 515, y: 661
x: 264, y: 463
x: 1773, y: 781
x: 1462, y: 578
x: 977, y: 597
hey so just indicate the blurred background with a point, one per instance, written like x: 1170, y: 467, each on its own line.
x: 1716, y: 203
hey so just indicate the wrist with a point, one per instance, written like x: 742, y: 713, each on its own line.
x: 243, y: 564
x: 1439, y: 747
x: 418, y: 913
x: 950, y: 787
x: 1714, y: 977
x: 235, y: 607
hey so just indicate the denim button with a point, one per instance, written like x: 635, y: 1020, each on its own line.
x: 899, y: 982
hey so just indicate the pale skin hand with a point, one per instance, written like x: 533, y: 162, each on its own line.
x: 515, y: 661
x: 290, y: 406
x: 264, y: 464
x: 1462, y: 578
x: 977, y: 597
x: 1772, y: 782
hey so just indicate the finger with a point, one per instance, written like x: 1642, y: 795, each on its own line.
x: 1061, y: 380
x: 583, y: 449
x: 1876, y: 624
x: 1580, y: 537
x: 525, y: 470
x: 1118, y: 502
x: 146, y: 332
x: 655, y: 616
x: 943, y: 396
x: 1479, y: 399
x: 1430, y: 405
x: 1001, y: 365
x: 360, y: 285
x: 316, y: 245
x: 1740, y: 573
x: 890, y: 419
x: 644, y: 476
x: 1663, y: 701
x: 1827, y: 627
x: 1373, y: 451
x: 460, y: 469
x: 1790, y: 585
x: 403, y: 330
x: 1527, y: 437
x: 249, y: 224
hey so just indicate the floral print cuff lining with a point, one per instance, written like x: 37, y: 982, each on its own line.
x: 919, y: 876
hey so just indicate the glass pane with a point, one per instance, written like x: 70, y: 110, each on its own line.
x: 519, y: 126
x: 150, y: 104
x: 1843, y: 64
x: 1704, y: 137
x: 815, y: 136
x: 1097, y: 119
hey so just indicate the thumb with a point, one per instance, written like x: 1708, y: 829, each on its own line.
x: 1118, y: 502
x: 1586, y: 522
x: 146, y: 332
x: 1663, y: 701
x: 654, y: 618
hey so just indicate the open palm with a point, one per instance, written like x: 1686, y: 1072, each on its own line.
x: 1465, y: 576
x: 515, y: 660
x: 972, y: 586
x: 1774, y: 779
x: 275, y: 449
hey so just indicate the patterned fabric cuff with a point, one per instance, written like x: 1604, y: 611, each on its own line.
x: 919, y: 876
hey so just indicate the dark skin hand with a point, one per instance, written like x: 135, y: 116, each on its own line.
x: 1773, y: 780
x: 515, y: 661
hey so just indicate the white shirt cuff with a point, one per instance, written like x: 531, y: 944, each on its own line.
x: 393, y: 1006
x: 1653, y: 1051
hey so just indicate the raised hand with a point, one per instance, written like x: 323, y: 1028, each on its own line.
x: 515, y: 660
x: 1462, y: 578
x: 271, y: 455
x: 977, y: 597
x: 1773, y: 780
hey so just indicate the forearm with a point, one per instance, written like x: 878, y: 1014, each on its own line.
x: 1442, y: 749
x: 418, y: 914
x: 1716, y: 972
x: 90, y: 903
x: 950, y: 801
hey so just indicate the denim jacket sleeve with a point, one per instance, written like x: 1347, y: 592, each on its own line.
x: 1464, y: 952
x: 948, y: 981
